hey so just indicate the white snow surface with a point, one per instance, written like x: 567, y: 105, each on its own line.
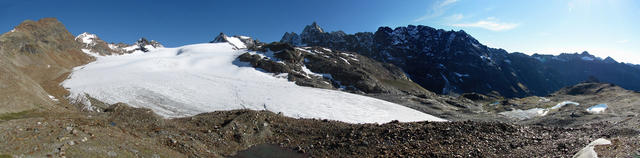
x: 596, y: 109
x: 188, y: 80
x: 236, y: 42
x: 535, y: 112
x: 53, y: 98
x: 87, y: 38
x: 587, y: 58
x: 525, y: 114
x: 561, y: 104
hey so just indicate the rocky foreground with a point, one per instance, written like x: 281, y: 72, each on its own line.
x: 122, y: 131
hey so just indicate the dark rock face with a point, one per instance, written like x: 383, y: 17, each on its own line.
x: 143, y: 44
x: 325, y: 68
x: 454, y: 62
x: 249, y: 42
x: 220, y: 38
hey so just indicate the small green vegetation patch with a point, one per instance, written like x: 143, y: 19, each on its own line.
x: 18, y: 115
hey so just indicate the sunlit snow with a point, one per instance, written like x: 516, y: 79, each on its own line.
x: 587, y: 58
x: 596, y: 109
x: 588, y: 151
x: 53, y: 98
x: 87, y: 38
x: 535, y: 112
x: 199, y: 78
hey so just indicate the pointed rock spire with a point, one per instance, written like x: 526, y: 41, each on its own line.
x: 220, y: 38
x: 311, y: 29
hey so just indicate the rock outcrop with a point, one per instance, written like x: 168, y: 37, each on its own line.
x: 92, y: 44
x: 324, y: 68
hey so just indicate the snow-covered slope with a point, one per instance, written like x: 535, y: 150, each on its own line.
x: 200, y: 78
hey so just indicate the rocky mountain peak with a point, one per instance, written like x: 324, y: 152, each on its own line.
x: 144, y: 42
x: 585, y: 53
x: 313, y: 28
x: 239, y: 42
x: 220, y: 38
x: 42, y: 26
x: 93, y: 44
x: 291, y: 38
x: 87, y: 38
x: 609, y: 60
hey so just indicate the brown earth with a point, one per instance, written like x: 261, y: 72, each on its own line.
x: 126, y: 132
x: 33, y: 60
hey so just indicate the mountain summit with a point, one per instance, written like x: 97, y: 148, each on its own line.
x: 92, y: 44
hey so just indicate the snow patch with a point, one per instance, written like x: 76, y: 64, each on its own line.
x: 525, y: 114
x: 112, y: 46
x: 345, y: 60
x: 309, y: 72
x: 561, y: 104
x: 53, y: 98
x: 446, y: 87
x: 587, y: 58
x: 304, y: 50
x: 588, y: 151
x: 351, y: 56
x: 87, y: 38
x: 236, y: 42
x: 483, y: 57
x: 461, y: 75
x: 596, y: 109
x: 535, y: 112
x: 89, y: 52
x: 203, y: 78
x: 544, y: 99
x: 131, y: 48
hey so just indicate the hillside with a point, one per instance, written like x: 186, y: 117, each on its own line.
x: 34, y: 58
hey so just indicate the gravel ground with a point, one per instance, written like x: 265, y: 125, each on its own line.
x: 123, y: 131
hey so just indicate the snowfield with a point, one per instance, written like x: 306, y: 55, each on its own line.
x: 535, y: 112
x: 188, y: 80
x: 596, y: 109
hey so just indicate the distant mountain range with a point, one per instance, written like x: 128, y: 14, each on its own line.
x: 453, y: 62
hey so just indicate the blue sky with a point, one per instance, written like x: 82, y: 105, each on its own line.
x: 602, y: 27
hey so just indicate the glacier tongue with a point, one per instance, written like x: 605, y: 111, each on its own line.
x: 193, y: 79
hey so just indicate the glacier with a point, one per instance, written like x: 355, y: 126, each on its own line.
x: 198, y: 78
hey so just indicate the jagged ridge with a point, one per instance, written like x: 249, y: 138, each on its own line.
x: 455, y: 62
